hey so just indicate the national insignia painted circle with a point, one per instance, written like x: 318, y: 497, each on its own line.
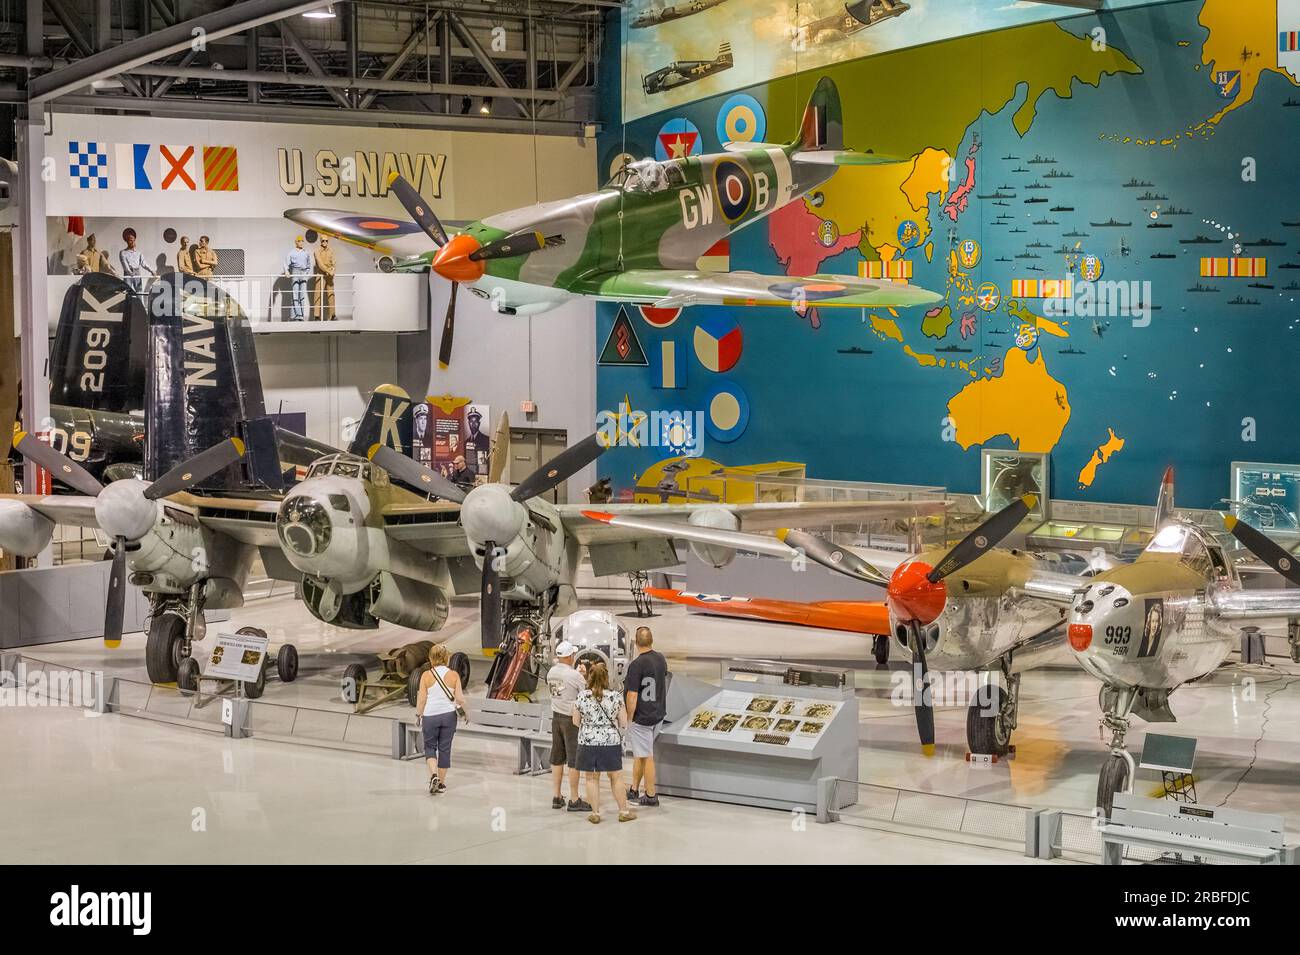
x: 741, y: 120
x: 735, y: 189
x: 726, y: 411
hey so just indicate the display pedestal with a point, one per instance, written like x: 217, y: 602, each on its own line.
x: 764, y: 738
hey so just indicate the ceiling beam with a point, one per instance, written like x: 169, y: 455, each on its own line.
x: 291, y: 37
x: 72, y: 26
x: 418, y: 33
x: 484, y: 60
x: 173, y: 39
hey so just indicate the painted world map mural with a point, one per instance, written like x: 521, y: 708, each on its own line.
x: 1108, y: 204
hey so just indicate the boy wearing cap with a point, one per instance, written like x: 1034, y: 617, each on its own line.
x: 565, y: 683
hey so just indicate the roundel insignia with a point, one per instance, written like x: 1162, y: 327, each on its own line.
x: 828, y: 233
x: 677, y: 139
x: 726, y: 411
x: 1284, y: 563
x: 659, y: 317
x: 981, y: 542
x: 987, y: 297
x: 836, y: 556
x: 552, y: 472
x: 741, y: 120
x: 968, y: 253
x: 735, y: 189
x: 1090, y: 268
x: 718, y: 342
x: 909, y: 233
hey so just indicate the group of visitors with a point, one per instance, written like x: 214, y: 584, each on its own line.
x: 591, y: 723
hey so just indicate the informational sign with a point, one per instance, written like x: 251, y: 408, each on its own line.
x: 770, y: 718
x: 449, y: 428
x: 1267, y: 496
x: 236, y: 656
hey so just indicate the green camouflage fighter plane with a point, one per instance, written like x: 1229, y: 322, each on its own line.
x: 638, y: 239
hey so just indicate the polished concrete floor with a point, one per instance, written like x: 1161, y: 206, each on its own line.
x: 272, y: 801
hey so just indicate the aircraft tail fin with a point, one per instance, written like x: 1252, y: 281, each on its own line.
x: 500, y: 455
x: 100, y: 348
x: 724, y: 54
x: 1165, y: 501
x: 203, y: 386
x: 386, y: 421
x: 822, y: 126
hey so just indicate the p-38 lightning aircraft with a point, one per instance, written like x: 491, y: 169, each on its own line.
x: 638, y: 239
x: 969, y: 607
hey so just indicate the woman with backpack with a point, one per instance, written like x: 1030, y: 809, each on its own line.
x: 601, y: 716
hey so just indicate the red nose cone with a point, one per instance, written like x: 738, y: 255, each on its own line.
x: 453, y: 262
x: 912, y: 597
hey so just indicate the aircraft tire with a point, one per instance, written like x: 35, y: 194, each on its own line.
x: 880, y: 649
x: 354, y: 675
x: 286, y: 663
x: 187, y: 676
x: 986, y: 734
x: 460, y: 663
x: 162, y: 648
x: 413, y: 684
x: 254, y: 688
x: 1112, y: 779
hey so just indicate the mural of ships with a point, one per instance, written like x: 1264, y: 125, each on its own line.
x: 952, y: 349
x: 1042, y: 159
x: 1261, y: 243
x: 1046, y: 222
x: 1037, y: 245
x: 1034, y: 199
x: 855, y: 350
x: 1175, y: 211
x: 1062, y: 208
x: 1201, y: 287
x: 1057, y: 174
x: 1200, y: 240
x: 995, y: 195
x: 1135, y: 184
x: 1242, y: 301
x: 1150, y: 196
x: 1110, y: 223
x: 1070, y: 351
x: 1075, y: 234
x: 1038, y: 185
x: 1163, y: 255
x: 1262, y: 285
x: 1160, y: 225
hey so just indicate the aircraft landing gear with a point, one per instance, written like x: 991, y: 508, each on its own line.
x: 880, y: 650
x: 1117, y: 773
x: 174, y: 624
x: 991, y: 718
x: 1293, y: 639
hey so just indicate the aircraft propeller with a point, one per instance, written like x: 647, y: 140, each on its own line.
x: 1264, y: 548
x: 491, y: 513
x: 125, y: 509
x: 459, y: 258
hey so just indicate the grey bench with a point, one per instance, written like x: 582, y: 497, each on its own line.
x: 1203, y: 832
x: 527, y: 723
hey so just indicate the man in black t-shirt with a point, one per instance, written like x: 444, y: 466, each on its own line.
x: 646, y: 686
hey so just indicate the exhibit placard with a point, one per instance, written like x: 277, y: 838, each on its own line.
x: 237, y: 656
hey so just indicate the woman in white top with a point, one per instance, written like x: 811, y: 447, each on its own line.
x: 437, y: 705
x: 600, y: 716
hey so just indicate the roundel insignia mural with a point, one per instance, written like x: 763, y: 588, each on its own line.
x: 718, y: 342
x: 659, y: 317
x: 726, y: 411
x: 735, y: 189
x: 987, y: 297
x: 1090, y: 268
x: 677, y: 139
x: 741, y: 120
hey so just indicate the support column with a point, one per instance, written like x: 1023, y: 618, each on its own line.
x: 33, y: 300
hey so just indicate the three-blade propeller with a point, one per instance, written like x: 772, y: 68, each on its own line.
x: 459, y: 258
x: 493, y: 500
x: 125, y: 519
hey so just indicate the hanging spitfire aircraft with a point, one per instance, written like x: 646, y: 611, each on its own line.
x: 638, y: 239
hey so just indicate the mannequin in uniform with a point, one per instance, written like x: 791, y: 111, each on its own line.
x: 133, y: 263
x: 324, y: 304
x: 298, y: 265
x: 185, y: 257
x: 91, y: 259
x: 204, y: 258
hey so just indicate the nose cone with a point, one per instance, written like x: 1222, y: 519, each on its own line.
x: 912, y: 597
x: 304, y: 526
x: 490, y: 514
x: 453, y: 261
x: 122, y: 510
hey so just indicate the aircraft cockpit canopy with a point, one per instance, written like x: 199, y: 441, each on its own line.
x: 648, y: 176
x: 1194, y: 549
x: 343, y: 465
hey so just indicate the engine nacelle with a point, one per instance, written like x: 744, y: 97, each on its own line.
x: 399, y: 600
x: 23, y: 531
x: 717, y: 518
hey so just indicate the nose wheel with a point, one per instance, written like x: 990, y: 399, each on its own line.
x: 1117, y: 772
x: 991, y: 718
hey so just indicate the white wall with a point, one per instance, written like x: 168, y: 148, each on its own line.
x: 503, y: 359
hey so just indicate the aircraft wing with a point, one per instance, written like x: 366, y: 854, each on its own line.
x: 853, y: 616
x: 681, y: 287
x: 73, y: 510
x: 383, y: 235
x: 629, y: 522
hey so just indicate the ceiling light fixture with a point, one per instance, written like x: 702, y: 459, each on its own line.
x: 486, y: 108
x: 321, y: 13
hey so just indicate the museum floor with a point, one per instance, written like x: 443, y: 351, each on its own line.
x: 271, y: 801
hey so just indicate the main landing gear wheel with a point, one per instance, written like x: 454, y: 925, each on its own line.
x: 286, y: 663
x: 460, y: 663
x: 354, y: 677
x: 254, y: 688
x: 880, y: 649
x: 164, y: 648
x: 413, y: 684
x: 187, y: 676
x: 1113, y: 779
x: 987, y: 731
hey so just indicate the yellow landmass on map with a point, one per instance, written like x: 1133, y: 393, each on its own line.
x: 886, y: 328
x: 1242, y: 36
x: 877, y: 198
x: 1025, y: 403
x: 1113, y: 444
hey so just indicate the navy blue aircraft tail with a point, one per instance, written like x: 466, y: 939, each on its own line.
x: 387, y: 421
x: 100, y: 349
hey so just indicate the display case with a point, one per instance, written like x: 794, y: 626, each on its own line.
x: 1007, y: 475
x: 1266, y: 496
x: 763, y: 738
x: 1115, y: 539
